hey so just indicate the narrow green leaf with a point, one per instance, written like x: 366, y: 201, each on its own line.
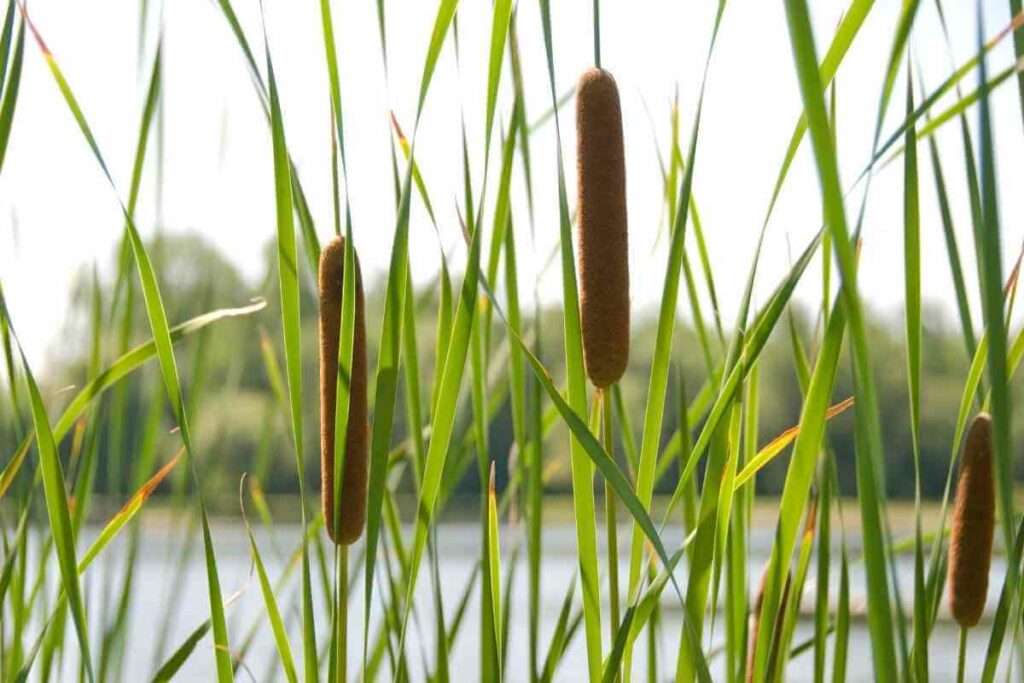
x: 868, y: 433
x: 284, y: 649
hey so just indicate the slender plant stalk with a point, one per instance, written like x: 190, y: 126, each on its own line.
x: 961, y: 661
x: 611, y: 526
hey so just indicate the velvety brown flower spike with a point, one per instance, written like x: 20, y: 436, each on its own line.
x: 970, y: 544
x: 603, y: 249
x: 352, y: 505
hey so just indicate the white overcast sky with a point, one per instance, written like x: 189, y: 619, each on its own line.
x: 57, y: 214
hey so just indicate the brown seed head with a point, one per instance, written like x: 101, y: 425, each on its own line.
x: 352, y: 506
x: 970, y: 545
x: 603, y: 249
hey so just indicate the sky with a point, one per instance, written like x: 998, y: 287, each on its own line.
x: 58, y: 215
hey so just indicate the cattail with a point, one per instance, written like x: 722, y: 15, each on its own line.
x: 601, y: 215
x: 352, y: 506
x: 970, y: 546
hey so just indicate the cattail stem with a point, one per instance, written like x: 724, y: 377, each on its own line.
x: 341, y: 614
x: 597, y: 33
x: 607, y: 439
x: 962, y: 659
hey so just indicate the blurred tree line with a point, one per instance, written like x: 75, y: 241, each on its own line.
x: 240, y: 424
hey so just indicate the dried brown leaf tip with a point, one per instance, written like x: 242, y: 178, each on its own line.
x: 603, y: 245
x: 352, y: 503
x: 970, y: 546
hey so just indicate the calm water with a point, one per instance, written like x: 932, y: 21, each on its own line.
x: 458, y: 545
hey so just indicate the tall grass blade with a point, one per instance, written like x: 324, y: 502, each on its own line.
x: 582, y: 471
x: 391, y: 332
x: 284, y: 649
x: 912, y: 297
x: 290, y: 309
x: 868, y: 435
x: 989, y: 255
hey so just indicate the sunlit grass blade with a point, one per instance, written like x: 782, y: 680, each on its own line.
x: 849, y: 27
x: 488, y: 641
x: 868, y: 455
x: 658, y: 386
x: 558, y: 636
x: 170, y: 667
x: 290, y: 309
x: 798, y: 479
x: 337, y: 117
x: 534, y: 508
x: 5, y: 42
x: 302, y: 212
x: 792, y: 609
x: 952, y: 251
x: 284, y: 649
x: 391, y: 331
x: 521, y: 123
x: 441, y: 671
x: 457, y: 618
x: 417, y: 176
x: 444, y: 415
x: 499, y: 32
x: 494, y: 564
x: 912, y: 297
x: 737, y: 558
x: 507, y: 606
x: 10, y: 92
x: 776, y: 445
x: 658, y: 382
x: 824, y: 563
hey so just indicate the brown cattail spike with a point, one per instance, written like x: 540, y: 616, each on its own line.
x: 970, y: 545
x: 352, y: 506
x: 603, y: 244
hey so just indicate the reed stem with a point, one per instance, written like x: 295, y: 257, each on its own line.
x: 607, y: 440
x: 962, y: 659
x: 341, y: 613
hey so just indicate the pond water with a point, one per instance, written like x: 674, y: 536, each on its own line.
x: 458, y: 545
